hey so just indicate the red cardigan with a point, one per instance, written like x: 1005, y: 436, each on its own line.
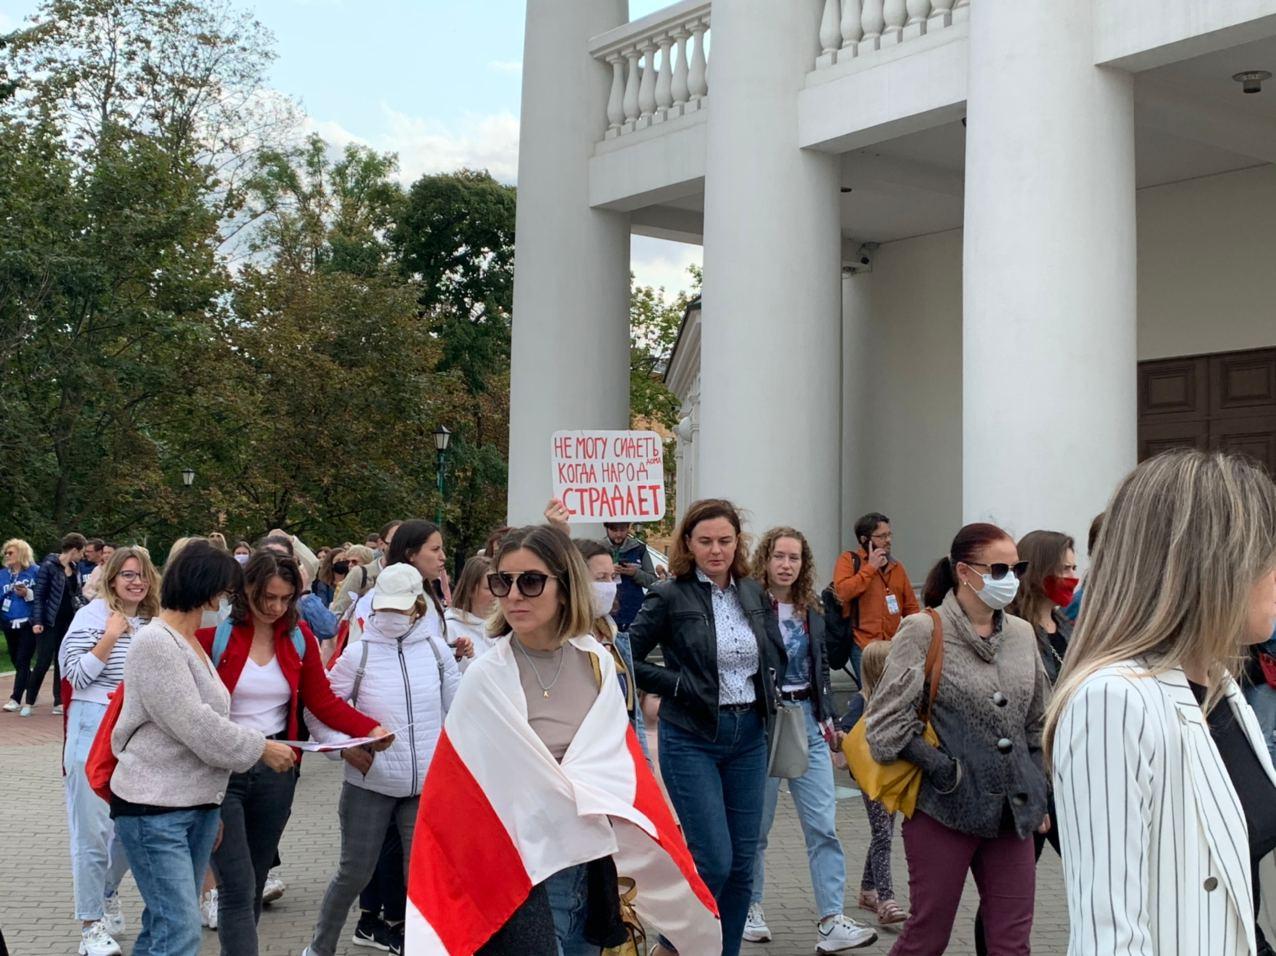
x: 307, y: 674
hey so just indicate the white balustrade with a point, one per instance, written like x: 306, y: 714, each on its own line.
x: 659, y: 66
x: 660, y: 71
x: 852, y: 29
x: 894, y: 12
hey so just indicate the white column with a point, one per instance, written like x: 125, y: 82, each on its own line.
x: 1048, y: 351
x: 570, y: 350
x: 770, y: 347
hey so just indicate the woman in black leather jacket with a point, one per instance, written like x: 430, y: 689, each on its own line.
x: 721, y: 653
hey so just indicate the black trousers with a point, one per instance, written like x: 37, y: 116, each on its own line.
x: 20, y: 642
x: 254, y: 814
x: 386, y: 894
x: 46, y: 653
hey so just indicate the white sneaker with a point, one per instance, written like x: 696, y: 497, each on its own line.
x: 113, y: 914
x: 25, y: 711
x: 96, y: 941
x: 755, y: 927
x: 208, y: 909
x: 57, y: 710
x: 11, y: 705
x: 274, y: 889
x: 842, y: 933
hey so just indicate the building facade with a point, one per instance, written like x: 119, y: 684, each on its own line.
x: 963, y: 259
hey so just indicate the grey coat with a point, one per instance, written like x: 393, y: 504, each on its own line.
x: 991, y: 690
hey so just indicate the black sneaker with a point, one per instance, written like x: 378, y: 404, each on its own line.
x: 394, y: 936
x: 372, y: 932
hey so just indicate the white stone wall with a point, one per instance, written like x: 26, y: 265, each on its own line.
x: 1207, y: 283
x: 1207, y: 264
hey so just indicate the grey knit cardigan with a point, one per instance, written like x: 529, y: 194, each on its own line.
x: 174, y: 740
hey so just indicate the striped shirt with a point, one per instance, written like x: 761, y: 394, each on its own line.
x: 1155, y: 850
x: 91, y: 678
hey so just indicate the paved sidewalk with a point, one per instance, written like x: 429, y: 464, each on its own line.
x: 35, y: 879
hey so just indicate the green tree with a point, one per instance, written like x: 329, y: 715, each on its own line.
x: 455, y: 239
x: 112, y: 203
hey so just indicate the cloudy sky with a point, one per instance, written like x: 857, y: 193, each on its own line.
x: 436, y: 81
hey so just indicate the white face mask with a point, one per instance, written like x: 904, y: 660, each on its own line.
x: 392, y: 625
x: 604, y: 595
x: 998, y: 594
x: 241, y: 558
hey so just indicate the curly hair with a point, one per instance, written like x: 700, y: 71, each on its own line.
x: 802, y: 591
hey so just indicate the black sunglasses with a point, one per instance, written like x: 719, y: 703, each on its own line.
x: 999, y: 570
x: 530, y: 584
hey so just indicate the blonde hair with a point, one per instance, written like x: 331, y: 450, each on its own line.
x: 149, y: 606
x: 26, y: 557
x: 1185, y: 538
x: 873, y: 665
x: 358, y: 554
x: 177, y: 546
x: 565, y: 565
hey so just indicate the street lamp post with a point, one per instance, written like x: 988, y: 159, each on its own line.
x: 188, y: 477
x: 442, y: 439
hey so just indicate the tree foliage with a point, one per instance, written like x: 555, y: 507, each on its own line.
x: 186, y: 284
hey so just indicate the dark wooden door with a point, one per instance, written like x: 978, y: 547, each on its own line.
x: 1225, y: 401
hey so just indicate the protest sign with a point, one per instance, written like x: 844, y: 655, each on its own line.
x: 609, y: 475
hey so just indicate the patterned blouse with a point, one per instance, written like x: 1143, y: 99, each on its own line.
x: 737, y: 645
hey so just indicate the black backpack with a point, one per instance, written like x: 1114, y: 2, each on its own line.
x: 839, y: 629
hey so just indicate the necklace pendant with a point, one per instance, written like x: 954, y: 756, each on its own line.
x: 546, y: 693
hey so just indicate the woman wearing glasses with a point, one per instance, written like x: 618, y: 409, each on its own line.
x: 983, y: 791
x: 92, y: 661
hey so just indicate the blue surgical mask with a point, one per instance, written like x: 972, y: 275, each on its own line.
x: 998, y: 594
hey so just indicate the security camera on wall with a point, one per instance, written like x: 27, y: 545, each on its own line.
x: 862, y: 260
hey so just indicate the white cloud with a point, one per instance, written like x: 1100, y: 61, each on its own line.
x: 505, y: 66
x: 424, y: 146
x: 663, y: 263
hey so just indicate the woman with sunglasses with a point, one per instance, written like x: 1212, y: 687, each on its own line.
x: 544, y: 708
x: 983, y: 792
x: 722, y: 654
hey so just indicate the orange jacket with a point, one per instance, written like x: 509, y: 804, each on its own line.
x: 874, y: 588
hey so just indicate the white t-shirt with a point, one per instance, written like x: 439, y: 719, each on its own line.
x: 261, y: 697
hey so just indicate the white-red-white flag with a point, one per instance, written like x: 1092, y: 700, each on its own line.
x: 499, y: 815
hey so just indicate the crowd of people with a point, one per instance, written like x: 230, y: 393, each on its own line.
x: 1128, y: 719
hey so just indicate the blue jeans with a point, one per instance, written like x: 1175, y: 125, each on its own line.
x: 567, y: 899
x: 98, y: 863
x: 857, y: 652
x: 168, y: 853
x: 816, y: 799
x: 717, y: 788
x: 1263, y: 699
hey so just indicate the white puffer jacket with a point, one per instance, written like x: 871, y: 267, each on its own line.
x: 400, y: 689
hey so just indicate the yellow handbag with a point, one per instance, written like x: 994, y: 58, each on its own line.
x: 895, y: 785
x: 636, y: 945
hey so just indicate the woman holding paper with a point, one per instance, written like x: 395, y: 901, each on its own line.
x: 268, y: 660
x: 403, y: 672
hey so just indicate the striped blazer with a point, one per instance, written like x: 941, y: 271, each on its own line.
x: 1155, y: 848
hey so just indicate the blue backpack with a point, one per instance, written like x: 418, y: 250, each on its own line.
x: 221, y: 639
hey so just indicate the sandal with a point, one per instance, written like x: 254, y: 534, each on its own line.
x: 868, y: 900
x: 890, y: 913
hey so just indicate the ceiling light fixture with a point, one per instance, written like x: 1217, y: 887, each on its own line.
x: 1252, y: 80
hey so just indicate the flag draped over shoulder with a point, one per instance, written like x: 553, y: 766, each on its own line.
x: 498, y: 815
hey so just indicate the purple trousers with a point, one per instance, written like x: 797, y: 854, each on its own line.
x: 1005, y: 871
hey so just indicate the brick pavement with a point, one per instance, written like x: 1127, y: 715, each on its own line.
x: 35, y: 881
